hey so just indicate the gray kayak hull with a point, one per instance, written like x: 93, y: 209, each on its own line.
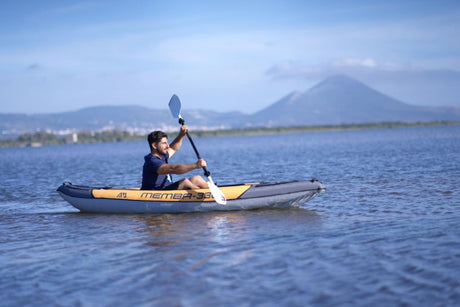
x: 255, y: 196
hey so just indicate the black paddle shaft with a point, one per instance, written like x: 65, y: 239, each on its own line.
x: 206, y: 172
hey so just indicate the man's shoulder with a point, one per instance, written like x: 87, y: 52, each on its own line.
x: 150, y: 158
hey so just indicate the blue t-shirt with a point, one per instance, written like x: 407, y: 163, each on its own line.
x: 151, y: 180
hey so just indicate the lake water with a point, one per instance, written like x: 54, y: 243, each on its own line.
x: 386, y: 232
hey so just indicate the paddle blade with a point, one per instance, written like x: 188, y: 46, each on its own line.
x: 175, y: 106
x: 218, y: 195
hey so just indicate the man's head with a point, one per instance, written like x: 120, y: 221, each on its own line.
x: 158, y: 142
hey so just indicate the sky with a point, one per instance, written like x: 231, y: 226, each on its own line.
x: 65, y: 55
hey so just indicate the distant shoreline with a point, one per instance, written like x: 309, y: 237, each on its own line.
x: 318, y: 128
x: 46, y: 139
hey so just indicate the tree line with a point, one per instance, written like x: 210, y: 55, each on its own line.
x: 40, y: 138
x: 46, y: 138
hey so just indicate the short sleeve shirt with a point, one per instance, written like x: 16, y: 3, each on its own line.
x: 151, y: 180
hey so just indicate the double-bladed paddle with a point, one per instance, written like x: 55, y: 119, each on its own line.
x: 175, y: 108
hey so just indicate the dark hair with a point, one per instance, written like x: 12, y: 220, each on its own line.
x: 155, y: 137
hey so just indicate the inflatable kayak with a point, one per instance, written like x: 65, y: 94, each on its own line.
x: 239, y: 197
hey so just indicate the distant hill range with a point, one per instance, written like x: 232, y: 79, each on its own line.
x: 335, y: 100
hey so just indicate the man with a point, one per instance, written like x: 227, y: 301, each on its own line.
x: 157, y: 169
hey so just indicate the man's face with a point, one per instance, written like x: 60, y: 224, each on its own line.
x: 162, y: 146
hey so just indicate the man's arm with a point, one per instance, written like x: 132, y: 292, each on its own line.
x: 177, y: 143
x: 177, y: 168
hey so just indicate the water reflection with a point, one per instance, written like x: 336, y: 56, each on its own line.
x: 221, y: 228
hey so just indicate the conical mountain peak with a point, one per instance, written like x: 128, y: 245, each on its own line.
x: 341, y: 99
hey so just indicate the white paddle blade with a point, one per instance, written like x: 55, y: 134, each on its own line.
x: 218, y: 195
x: 175, y: 106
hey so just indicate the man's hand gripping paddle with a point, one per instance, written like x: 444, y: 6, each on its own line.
x: 175, y: 107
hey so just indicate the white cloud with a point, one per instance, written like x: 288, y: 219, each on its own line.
x: 368, y: 62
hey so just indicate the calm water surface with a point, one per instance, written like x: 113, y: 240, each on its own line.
x: 386, y: 232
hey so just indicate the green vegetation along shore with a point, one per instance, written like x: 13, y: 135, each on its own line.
x: 319, y: 128
x: 46, y: 138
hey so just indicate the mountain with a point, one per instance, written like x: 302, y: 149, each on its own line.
x: 131, y: 118
x: 341, y: 99
x: 335, y: 100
